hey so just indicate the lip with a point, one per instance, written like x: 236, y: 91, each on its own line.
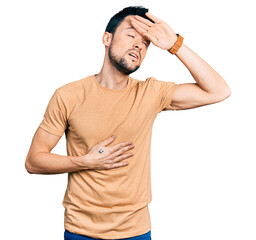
x: 136, y: 54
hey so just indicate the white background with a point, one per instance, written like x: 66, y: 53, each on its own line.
x: 203, y: 159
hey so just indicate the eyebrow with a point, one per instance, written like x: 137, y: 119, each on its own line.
x: 131, y: 27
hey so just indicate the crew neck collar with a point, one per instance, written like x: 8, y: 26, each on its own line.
x: 112, y: 90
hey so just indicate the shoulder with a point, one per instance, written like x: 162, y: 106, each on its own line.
x: 141, y: 81
x: 160, y: 85
x: 73, y: 93
x: 72, y: 88
x: 153, y: 83
x: 149, y: 81
x: 75, y: 90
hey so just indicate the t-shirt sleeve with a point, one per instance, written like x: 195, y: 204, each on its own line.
x: 164, y: 94
x: 55, y: 117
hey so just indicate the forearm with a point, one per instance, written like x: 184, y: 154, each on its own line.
x: 50, y: 163
x: 205, y: 76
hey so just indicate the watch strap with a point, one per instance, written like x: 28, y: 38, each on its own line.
x: 176, y: 46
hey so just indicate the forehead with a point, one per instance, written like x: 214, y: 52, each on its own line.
x: 125, y: 24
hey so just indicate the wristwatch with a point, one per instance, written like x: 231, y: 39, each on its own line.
x: 176, y: 46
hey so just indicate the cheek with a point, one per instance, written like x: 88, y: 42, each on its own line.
x: 121, y: 47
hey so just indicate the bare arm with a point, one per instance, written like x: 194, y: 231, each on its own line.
x: 209, y: 88
x: 40, y: 160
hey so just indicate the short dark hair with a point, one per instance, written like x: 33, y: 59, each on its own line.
x: 115, y: 21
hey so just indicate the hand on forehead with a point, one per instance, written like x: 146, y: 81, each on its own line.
x: 144, y: 26
x: 158, y: 32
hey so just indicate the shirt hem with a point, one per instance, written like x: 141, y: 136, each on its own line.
x: 170, y: 99
x: 106, y: 236
x: 50, y: 130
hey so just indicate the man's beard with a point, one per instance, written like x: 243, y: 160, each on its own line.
x: 120, y: 63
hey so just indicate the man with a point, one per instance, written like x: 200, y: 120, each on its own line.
x: 109, y: 181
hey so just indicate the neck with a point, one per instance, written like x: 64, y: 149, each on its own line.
x: 110, y: 77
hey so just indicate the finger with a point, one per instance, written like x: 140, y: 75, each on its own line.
x: 122, y: 157
x: 108, y: 141
x: 120, y: 145
x: 117, y: 165
x: 142, y: 25
x: 143, y: 20
x: 138, y: 27
x: 150, y: 37
x: 120, y: 151
x: 154, y: 18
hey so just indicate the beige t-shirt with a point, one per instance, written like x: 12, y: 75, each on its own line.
x: 112, y: 203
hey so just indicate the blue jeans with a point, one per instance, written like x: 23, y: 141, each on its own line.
x: 73, y: 236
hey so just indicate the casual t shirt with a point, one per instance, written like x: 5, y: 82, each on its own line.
x: 113, y: 203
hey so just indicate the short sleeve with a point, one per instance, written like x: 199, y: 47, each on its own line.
x: 164, y: 94
x: 55, y: 117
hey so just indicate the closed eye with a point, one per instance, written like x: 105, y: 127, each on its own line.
x: 146, y: 44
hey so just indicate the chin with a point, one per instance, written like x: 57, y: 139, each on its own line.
x: 133, y: 66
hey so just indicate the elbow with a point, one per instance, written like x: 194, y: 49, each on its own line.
x: 28, y: 166
x: 227, y: 92
x: 223, y: 94
x: 222, y: 90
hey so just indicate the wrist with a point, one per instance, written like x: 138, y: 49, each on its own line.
x: 181, y: 51
x: 173, y: 42
x: 176, y: 46
x: 81, y: 161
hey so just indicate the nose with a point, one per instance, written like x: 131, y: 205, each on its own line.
x: 138, y: 45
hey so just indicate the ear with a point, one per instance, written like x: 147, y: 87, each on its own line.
x: 107, y: 38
